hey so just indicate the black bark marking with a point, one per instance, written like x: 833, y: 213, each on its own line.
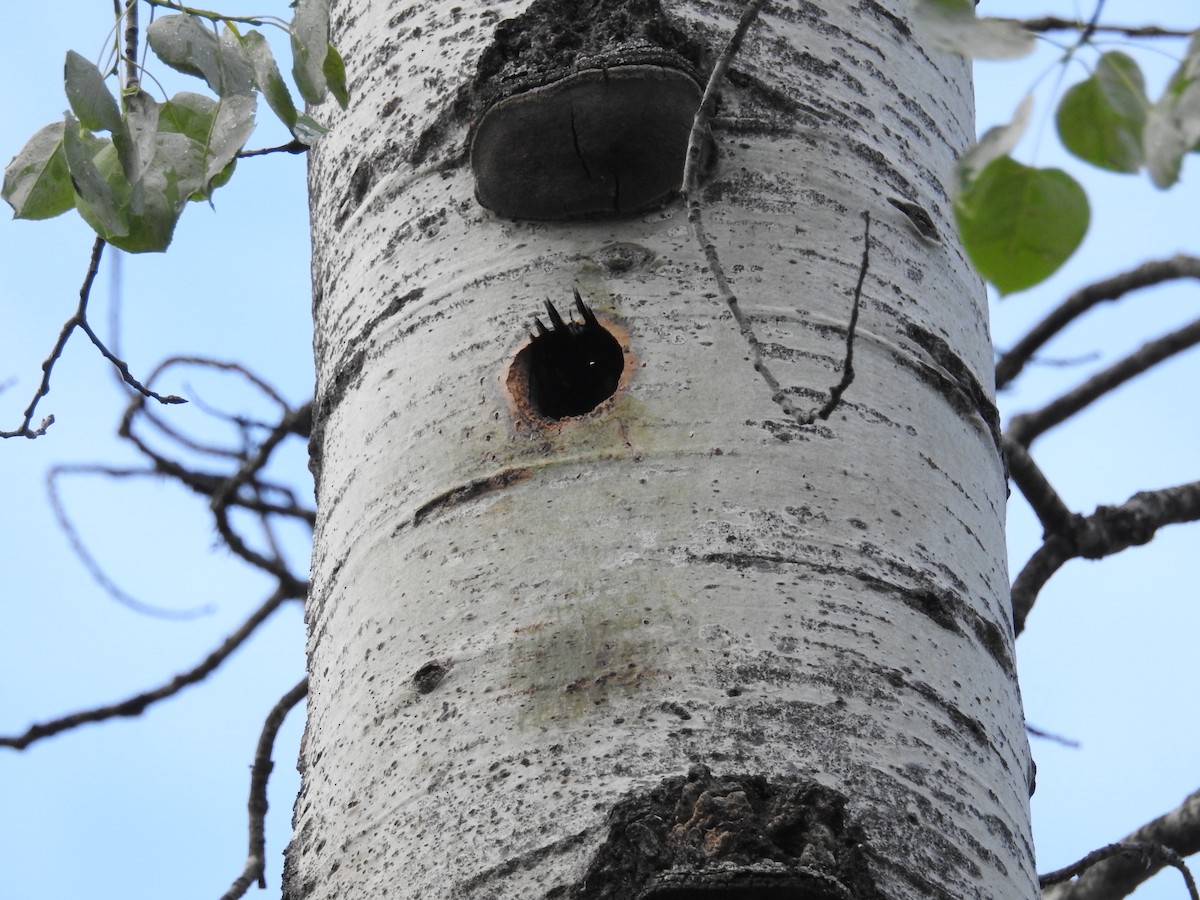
x: 471, y: 490
x: 962, y: 389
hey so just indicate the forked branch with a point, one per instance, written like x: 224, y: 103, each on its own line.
x: 79, y: 320
x: 1109, y: 530
x: 1115, y: 871
x: 260, y: 774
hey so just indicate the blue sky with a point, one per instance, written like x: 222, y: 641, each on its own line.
x: 154, y: 806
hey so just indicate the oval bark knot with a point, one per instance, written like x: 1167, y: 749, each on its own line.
x: 731, y: 837
x: 599, y: 142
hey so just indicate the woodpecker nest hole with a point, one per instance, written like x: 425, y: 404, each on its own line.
x: 568, y: 369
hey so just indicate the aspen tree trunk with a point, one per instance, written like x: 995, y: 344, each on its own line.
x: 680, y: 645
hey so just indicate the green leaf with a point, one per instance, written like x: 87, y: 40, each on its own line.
x: 90, y: 100
x: 310, y: 46
x: 186, y: 44
x: 217, y: 130
x: 997, y: 142
x: 102, y: 194
x: 1173, y: 126
x: 232, y: 125
x: 1101, y: 119
x: 135, y: 140
x: 1019, y: 224
x: 952, y: 26
x: 308, y: 129
x: 335, y: 76
x: 158, y: 200
x: 268, y: 79
x: 37, y: 183
x: 180, y: 162
x: 188, y: 114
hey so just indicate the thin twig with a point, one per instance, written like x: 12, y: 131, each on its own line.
x: 292, y: 146
x: 1027, y: 427
x: 123, y: 368
x: 59, y: 345
x: 260, y: 774
x: 1147, y: 274
x: 214, y: 16
x: 701, y: 126
x: 169, y: 430
x: 221, y: 502
x: 1086, y: 34
x: 835, y: 392
x: 1055, y: 23
x: 208, y: 484
x: 94, y: 568
x: 1050, y: 736
x: 691, y: 194
x: 136, y: 705
x: 79, y: 320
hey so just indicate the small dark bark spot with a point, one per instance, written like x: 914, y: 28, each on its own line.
x: 429, y: 676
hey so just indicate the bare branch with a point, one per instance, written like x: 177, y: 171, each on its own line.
x: 174, y: 434
x: 1050, y: 736
x: 228, y: 491
x: 122, y: 367
x: 292, y: 422
x: 61, y: 344
x: 1109, y: 530
x: 1050, y: 509
x: 94, y: 569
x: 1055, y: 23
x: 293, y: 147
x: 708, y: 104
x: 257, y: 805
x: 1150, y: 273
x: 136, y: 705
x: 216, y: 17
x: 1115, y: 871
x: 1027, y: 427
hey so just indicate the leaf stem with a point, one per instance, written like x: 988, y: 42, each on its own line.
x: 214, y: 16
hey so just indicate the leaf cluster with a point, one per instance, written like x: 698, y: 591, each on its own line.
x: 130, y: 166
x: 1020, y: 223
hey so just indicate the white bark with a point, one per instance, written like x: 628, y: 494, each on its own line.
x: 685, y: 576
